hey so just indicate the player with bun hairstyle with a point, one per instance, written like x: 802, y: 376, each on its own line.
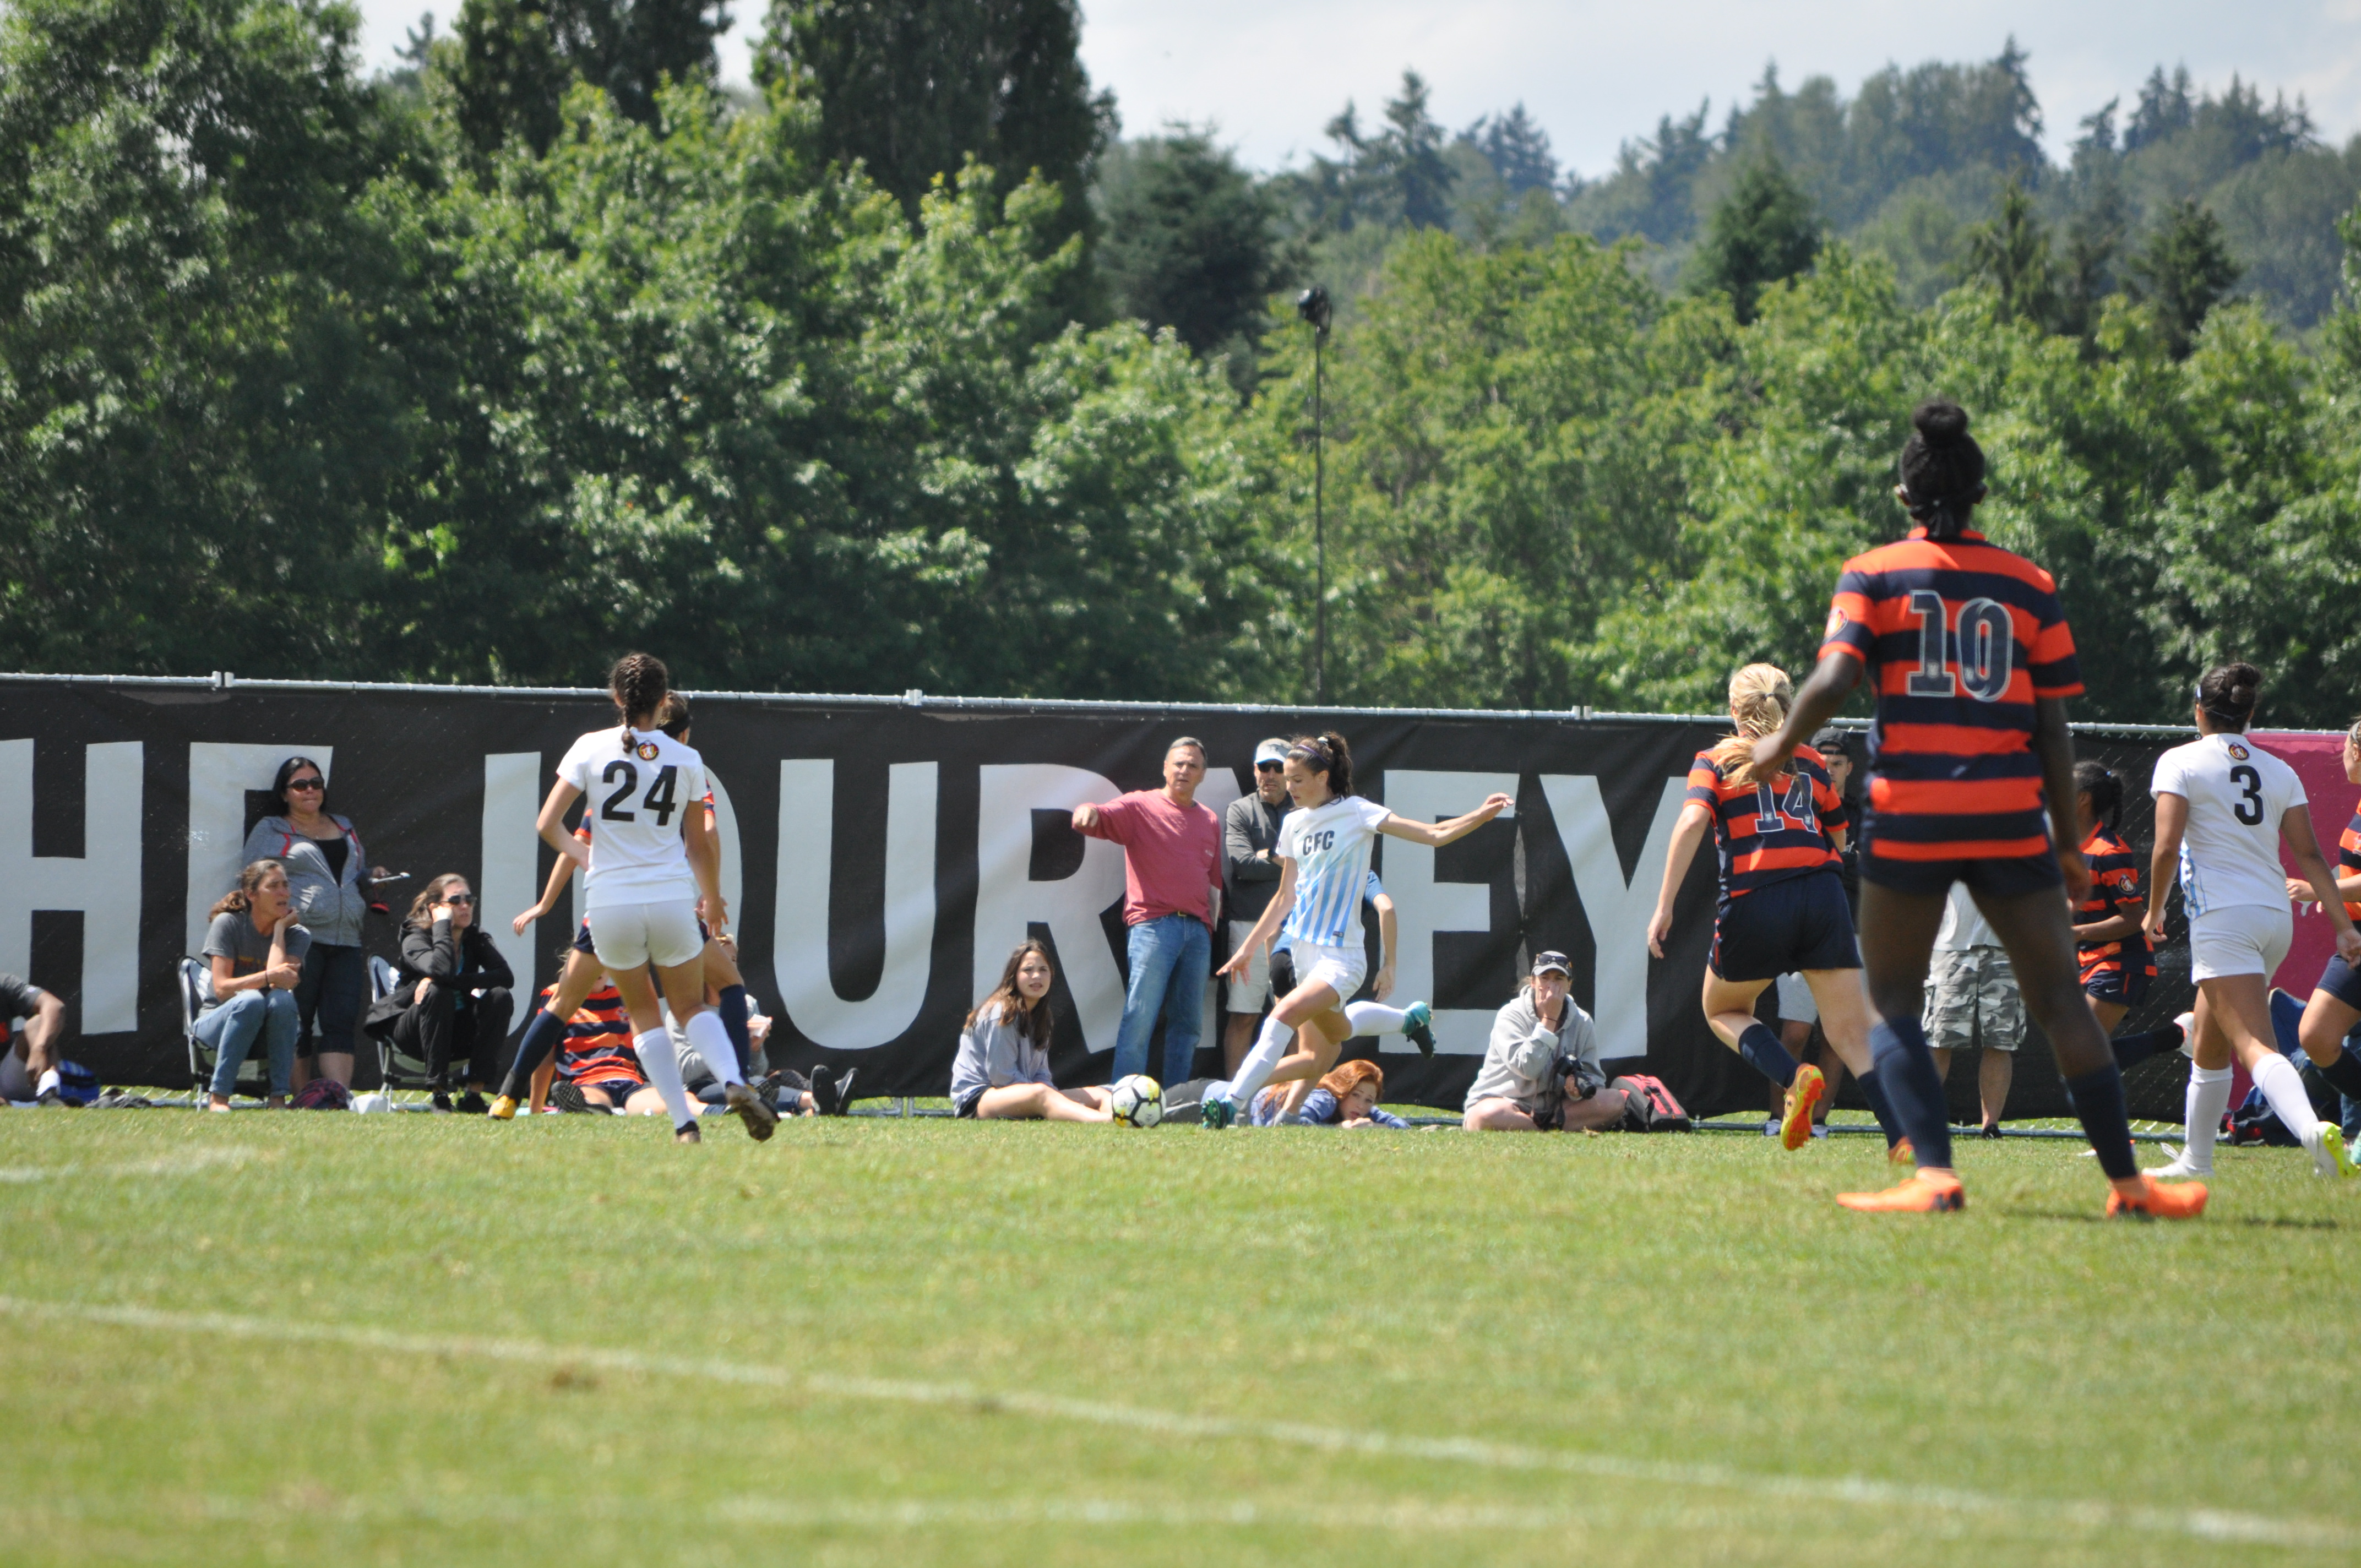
x: 2116, y: 961
x: 645, y: 792
x: 1323, y: 868
x: 1782, y: 907
x: 2335, y: 1005
x: 2224, y: 806
x: 1969, y: 654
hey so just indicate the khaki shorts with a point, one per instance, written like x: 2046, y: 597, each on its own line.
x: 1250, y: 991
x: 1972, y: 1000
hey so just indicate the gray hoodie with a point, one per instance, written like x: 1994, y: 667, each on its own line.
x: 330, y: 907
x: 1517, y: 1062
x: 994, y: 1055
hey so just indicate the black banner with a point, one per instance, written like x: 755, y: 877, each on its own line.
x: 881, y: 858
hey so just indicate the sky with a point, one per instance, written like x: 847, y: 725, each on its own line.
x: 1269, y: 73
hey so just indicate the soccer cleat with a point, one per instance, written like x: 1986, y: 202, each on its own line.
x: 844, y: 1092
x: 1924, y: 1193
x: 504, y: 1108
x: 1218, y: 1111
x: 686, y: 1132
x: 1418, y: 1023
x: 1900, y: 1152
x: 48, y: 1099
x: 2181, y: 1200
x: 2181, y: 1169
x: 470, y: 1104
x: 748, y: 1107
x: 2332, y: 1158
x: 1803, y: 1099
x: 441, y: 1101
x: 569, y: 1098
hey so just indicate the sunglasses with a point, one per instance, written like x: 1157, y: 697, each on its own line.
x: 459, y: 898
x: 307, y: 784
x: 1270, y: 767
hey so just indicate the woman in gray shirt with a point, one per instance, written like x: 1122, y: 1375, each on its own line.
x: 1541, y: 1071
x: 254, y: 948
x: 327, y: 875
x: 1001, y: 1071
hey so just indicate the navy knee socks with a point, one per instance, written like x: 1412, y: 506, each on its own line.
x: 1759, y: 1046
x: 543, y: 1033
x: 1906, y: 1068
x: 2098, y: 1101
x: 731, y: 1005
x: 2133, y: 1049
x: 1872, y: 1089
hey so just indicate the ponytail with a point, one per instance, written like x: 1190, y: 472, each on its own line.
x: 640, y: 683
x: 2105, y: 789
x: 240, y: 899
x: 1325, y: 754
x: 1759, y: 696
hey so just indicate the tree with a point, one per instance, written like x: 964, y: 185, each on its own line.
x: 2183, y: 271
x: 517, y: 58
x: 1188, y: 242
x: 2012, y: 254
x: 911, y: 89
x: 2165, y: 109
x: 1518, y: 150
x: 1762, y: 233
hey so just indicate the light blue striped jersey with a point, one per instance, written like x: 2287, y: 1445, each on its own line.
x: 1330, y: 846
x: 1370, y: 890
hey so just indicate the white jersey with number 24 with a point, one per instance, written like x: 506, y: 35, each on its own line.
x: 2236, y: 793
x: 636, y: 794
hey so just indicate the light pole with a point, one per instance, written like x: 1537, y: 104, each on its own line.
x: 1312, y: 306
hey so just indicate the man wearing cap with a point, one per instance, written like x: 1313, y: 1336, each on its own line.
x: 1249, y: 877
x: 1541, y: 1071
x: 1172, y: 886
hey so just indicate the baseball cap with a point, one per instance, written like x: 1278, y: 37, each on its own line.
x: 1272, y: 751
x: 1545, y: 962
x: 1833, y: 740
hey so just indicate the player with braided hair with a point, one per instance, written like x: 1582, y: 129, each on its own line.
x: 2116, y: 961
x: 1782, y: 907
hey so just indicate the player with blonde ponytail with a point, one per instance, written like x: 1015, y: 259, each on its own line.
x: 1783, y: 905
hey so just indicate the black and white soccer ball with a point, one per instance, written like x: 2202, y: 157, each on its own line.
x: 1137, y: 1100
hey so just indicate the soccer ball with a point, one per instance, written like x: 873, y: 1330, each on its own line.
x: 1137, y: 1100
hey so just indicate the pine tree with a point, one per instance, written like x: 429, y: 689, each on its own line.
x: 1760, y: 233
x: 1188, y: 241
x: 2012, y: 254
x: 517, y: 58
x: 2183, y: 271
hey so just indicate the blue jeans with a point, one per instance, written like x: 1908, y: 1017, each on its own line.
x: 232, y: 1028
x: 1171, y: 958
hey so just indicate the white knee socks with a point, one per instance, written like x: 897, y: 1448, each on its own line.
x: 662, y: 1070
x: 1255, y: 1071
x: 712, y: 1042
x: 1375, y: 1018
x: 2283, y: 1087
x: 2208, y: 1096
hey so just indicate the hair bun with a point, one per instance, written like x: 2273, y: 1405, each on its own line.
x: 1940, y: 422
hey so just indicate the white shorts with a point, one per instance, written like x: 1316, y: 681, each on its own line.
x: 1796, y: 1004
x: 628, y: 936
x: 1341, y: 969
x: 1251, y: 991
x: 2245, y: 939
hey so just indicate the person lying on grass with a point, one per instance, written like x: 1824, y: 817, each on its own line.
x: 1346, y: 1097
x: 1001, y: 1071
x: 597, y: 1069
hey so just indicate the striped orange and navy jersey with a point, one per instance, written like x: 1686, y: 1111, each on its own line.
x: 1959, y: 638
x: 598, y: 1044
x: 2348, y: 856
x: 2114, y: 890
x: 1768, y: 832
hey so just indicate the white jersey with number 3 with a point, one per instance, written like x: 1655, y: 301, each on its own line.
x: 636, y: 794
x: 2236, y: 793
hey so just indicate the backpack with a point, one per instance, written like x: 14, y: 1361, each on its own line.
x: 77, y: 1085
x: 324, y: 1094
x: 1650, y: 1107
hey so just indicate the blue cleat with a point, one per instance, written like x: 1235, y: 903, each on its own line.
x: 1418, y: 1023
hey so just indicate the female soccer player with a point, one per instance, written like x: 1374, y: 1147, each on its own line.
x: 2116, y: 961
x: 2335, y: 1005
x: 1783, y: 905
x: 645, y: 790
x: 2223, y: 809
x: 1324, y: 867
x: 1971, y: 660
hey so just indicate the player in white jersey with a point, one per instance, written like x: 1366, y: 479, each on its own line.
x: 647, y: 791
x: 2223, y: 809
x: 1323, y: 868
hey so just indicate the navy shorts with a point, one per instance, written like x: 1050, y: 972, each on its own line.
x: 1803, y: 923
x: 2339, y: 981
x: 2126, y: 986
x: 2001, y: 879
x: 966, y: 1103
x: 582, y: 938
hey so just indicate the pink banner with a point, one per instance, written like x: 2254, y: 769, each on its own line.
x: 2319, y: 760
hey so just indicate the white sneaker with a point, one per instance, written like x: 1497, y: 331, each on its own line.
x: 2187, y: 1022
x: 2181, y: 1168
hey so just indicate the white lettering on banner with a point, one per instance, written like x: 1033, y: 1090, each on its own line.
x: 733, y: 865
x: 1008, y: 901
x: 1617, y: 907
x: 102, y: 882
x: 510, y: 879
x: 807, y: 853
x: 1424, y: 906
x: 219, y: 776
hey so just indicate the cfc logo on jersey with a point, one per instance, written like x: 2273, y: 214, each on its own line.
x: 647, y: 751
x: 2238, y: 752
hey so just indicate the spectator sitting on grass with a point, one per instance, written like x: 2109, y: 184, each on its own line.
x: 256, y: 952
x: 28, y: 1067
x: 1541, y: 1073
x: 1001, y: 1071
x: 1347, y: 1097
x: 451, y: 998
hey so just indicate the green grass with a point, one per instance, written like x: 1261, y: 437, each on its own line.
x: 1716, y: 1345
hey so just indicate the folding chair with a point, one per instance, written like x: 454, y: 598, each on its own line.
x: 398, y: 1070
x: 253, y: 1074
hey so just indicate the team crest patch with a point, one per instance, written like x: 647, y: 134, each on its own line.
x: 1836, y: 624
x: 2239, y: 752
x: 647, y: 751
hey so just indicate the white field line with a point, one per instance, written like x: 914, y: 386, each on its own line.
x: 182, y: 1164
x: 2193, y: 1523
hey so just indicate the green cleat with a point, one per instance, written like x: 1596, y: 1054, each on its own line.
x: 2340, y: 1159
x: 1218, y: 1113
x: 1418, y: 1023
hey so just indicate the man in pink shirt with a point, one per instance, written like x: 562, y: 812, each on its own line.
x: 1172, y: 890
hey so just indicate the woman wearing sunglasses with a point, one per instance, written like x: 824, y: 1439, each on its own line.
x: 328, y: 876
x: 453, y: 1002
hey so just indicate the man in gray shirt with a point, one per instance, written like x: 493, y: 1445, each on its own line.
x: 1249, y: 879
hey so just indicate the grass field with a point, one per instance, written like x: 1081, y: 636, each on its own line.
x: 413, y: 1339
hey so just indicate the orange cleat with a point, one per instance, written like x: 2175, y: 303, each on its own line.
x: 1902, y: 1153
x: 2181, y: 1201
x: 1803, y: 1098
x: 1924, y: 1193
